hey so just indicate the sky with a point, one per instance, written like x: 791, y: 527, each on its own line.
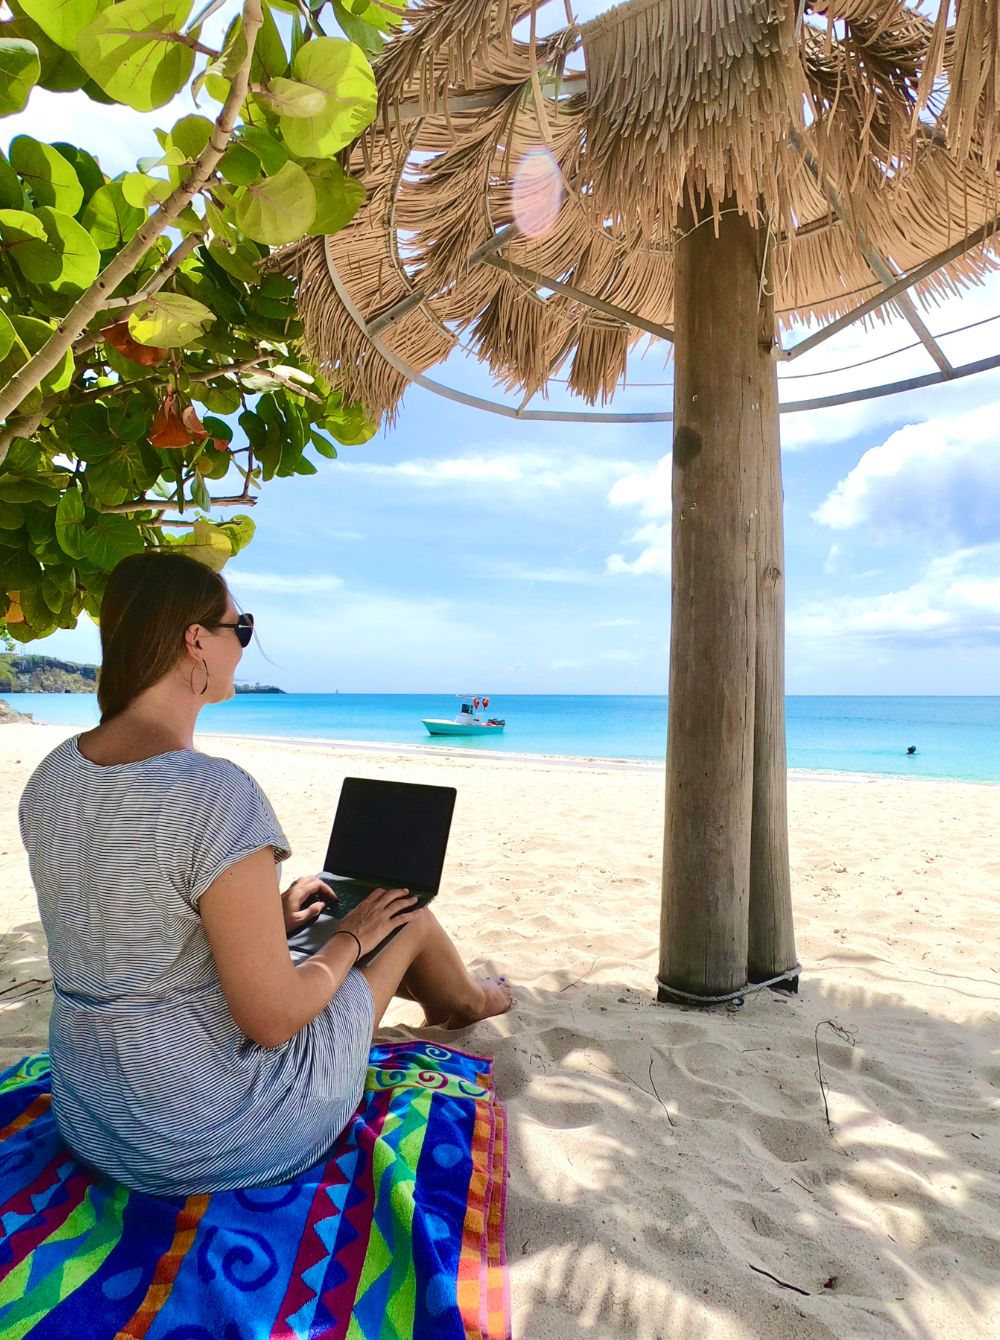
x: 461, y: 550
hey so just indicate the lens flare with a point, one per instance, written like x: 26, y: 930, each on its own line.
x: 537, y: 192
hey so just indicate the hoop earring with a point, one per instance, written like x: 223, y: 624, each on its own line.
x: 199, y: 693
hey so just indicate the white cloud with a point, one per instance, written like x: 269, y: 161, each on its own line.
x: 559, y: 575
x: 939, y: 478
x: 648, y: 491
x: 654, y: 557
x: 284, y: 583
x: 862, y: 343
x: 955, y: 598
x: 536, y: 470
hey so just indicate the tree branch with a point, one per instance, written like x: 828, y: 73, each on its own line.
x: 186, y: 40
x: 122, y: 265
x: 117, y: 388
x: 19, y: 428
x: 176, y: 258
x: 166, y: 505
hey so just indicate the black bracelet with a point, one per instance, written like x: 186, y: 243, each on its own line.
x: 353, y: 937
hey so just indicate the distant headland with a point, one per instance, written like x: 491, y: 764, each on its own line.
x: 44, y: 674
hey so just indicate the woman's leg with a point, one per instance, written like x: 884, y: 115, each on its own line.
x: 422, y: 964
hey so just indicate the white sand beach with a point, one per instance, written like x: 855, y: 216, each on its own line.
x: 668, y: 1166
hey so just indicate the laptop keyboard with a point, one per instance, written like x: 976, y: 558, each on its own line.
x: 350, y: 892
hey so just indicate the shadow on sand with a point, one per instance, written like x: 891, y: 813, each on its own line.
x: 673, y: 1174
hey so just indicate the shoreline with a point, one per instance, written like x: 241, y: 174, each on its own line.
x: 584, y: 762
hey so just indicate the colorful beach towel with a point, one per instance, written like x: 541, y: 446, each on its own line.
x: 400, y: 1233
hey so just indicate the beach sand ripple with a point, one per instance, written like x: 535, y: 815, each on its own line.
x: 673, y: 1174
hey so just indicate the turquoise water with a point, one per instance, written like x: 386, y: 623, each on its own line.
x: 955, y: 737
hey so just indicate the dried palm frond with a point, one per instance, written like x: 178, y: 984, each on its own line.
x: 839, y: 125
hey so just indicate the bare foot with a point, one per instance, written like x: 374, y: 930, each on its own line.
x: 497, y: 998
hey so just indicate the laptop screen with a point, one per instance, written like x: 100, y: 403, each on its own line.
x: 391, y: 833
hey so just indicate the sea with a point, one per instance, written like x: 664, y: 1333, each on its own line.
x: 956, y: 738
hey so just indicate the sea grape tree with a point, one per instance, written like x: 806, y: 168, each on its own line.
x: 150, y: 374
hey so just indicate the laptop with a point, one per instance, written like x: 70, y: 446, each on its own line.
x: 386, y: 835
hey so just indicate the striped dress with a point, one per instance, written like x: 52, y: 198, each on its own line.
x: 152, y: 1081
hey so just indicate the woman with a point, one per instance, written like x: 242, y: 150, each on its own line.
x: 189, y: 1053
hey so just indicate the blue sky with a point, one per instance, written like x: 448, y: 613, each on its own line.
x: 460, y: 548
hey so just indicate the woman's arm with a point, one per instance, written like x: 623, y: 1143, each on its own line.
x: 271, y: 998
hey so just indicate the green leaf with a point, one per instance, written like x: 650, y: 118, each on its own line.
x: 350, y: 425
x: 33, y: 489
x: 62, y: 20
x: 323, y: 445
x: 208, y: 544
x: 108, y: 482
x: 239, y: 166
x: 369, y: 39
x: 70, y: 512
x: 278, y: 209
x: 11, y: 194
x: 254, y: 427
x: 339, y: 196
x: 14, y: 359
x: 339, y: 69
x: 36, y: 610
x: 142, y: 191
x: 110, y: 539
x: 7, y: 335
x: 287, y: 97
x: 169, y: 320
x: 269, y: 58
x: 218, y: 428
x: 34, y: 334
x: 191, y: 134
x: 200, y: 495
x: 127, y: 50
x: 20, y: 67
x: 26, y: 242
x: 271, y: 152
x: 11, y: 518
x: 85, y: 166
x: 172, y: 157
x: 18, y: 569
x: 110, y: 219
x: 47, y: 175
x: 223, y: 398
x: 238, y: 262
x: 240, y: 530
x: 52, y: 593
x: 81, y: 261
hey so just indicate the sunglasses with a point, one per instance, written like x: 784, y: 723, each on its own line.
x: 243, y: 627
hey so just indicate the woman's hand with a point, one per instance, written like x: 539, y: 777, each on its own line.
x: 303, y: 901
x: 380, y: 914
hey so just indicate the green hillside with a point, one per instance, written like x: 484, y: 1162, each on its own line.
x: 44, y: 674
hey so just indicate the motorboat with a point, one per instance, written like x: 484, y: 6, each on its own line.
x: 468, y: 721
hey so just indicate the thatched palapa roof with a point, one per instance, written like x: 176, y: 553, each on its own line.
x: 863, y: 135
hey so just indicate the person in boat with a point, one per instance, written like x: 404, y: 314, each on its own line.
x: 189, y: 1053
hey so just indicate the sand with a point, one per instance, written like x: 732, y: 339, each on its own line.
x: 666, y: 1163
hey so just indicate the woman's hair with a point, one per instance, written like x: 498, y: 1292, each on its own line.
x: 151, y: 599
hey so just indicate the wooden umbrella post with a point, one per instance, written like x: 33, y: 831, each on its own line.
x: 726, y: 624
x: 771, y: 945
